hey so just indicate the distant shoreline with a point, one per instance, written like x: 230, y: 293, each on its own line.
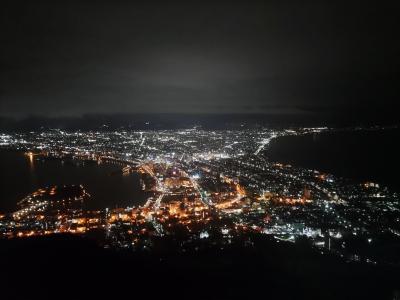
x: 365, y: 155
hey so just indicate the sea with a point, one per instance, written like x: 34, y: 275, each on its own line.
x: 108, y: 187
x: 359, y: 155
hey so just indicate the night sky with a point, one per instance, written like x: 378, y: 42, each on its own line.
x: 278, y: 57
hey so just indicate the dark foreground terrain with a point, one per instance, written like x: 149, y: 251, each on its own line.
x: 74, y: 267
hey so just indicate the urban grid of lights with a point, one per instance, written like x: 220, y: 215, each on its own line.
x: 211, y: 185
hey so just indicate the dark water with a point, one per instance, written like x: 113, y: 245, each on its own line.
x: 358, y: 155
x: 108, y: 188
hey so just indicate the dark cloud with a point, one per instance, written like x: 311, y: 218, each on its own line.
x: 72, y: 58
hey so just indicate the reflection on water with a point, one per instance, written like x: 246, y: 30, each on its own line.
x: 22, y: 174
x: 30, y: 155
